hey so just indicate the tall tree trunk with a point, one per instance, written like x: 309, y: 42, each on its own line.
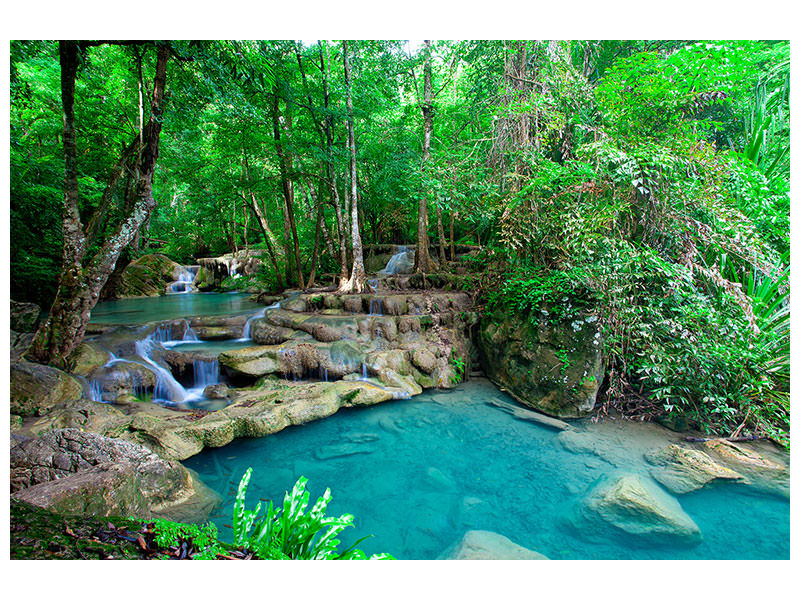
x: 331, y: 168
x: 358, y: 276
x: 317, y: 233
x: 452, y: 239
x: 288, y: 197
x: 442, y: 239
x: 422, y: 257
x: 79, y: 285
x: 269, y: 237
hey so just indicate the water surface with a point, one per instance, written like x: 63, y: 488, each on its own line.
x: 134, y: 311
x: 431, y: 468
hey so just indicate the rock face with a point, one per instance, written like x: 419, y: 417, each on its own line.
x: 24, y: 316
x: 633, y: 506
x: 36, y: 389
x: 148, y: 275
x: 213, y: 271
x: 74, y: 472
x: 556, y: 369
x: 684, y: 470
x: 488, y: 545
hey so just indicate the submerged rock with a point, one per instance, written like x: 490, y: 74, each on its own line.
x: 74, y: 472
x: 488, y: 545
x: 685, y: 470
x: 628, y: 504
x: 36, y: 389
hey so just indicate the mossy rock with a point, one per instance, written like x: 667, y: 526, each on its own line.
x: 148, y: 275
x: 36, y: 389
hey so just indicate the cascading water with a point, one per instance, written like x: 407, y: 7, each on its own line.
x: 260, y: 314
x: 167, y: 387
x: 184, y: 283
x: 206, y: 372
x: 401, y: 263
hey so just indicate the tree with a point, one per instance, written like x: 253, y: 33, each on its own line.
x: 422, y: 257
x: 358, y: 277
x: 83, y: 275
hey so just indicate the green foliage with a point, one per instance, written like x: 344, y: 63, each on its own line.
x: 458, y: 365
x: 204, y: 538
x: 292, y: 532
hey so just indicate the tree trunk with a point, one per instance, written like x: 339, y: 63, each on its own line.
x: 452, y: 242
x: 317, y: 233
x: 79, y: 286
x: 331, y: 168
x: 268, y: 237
x: 288, y: 199
x: 358, y: 276
x: 442, y: 239
x: 422, y: 257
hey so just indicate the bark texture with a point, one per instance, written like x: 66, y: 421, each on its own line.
x: 82, y: 278
x: 422, y: 257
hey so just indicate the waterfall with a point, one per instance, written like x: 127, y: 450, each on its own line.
x: 167, y: 387
x: 164, y: 337
x: 260, y: 314
x: 205, y: 373
x: 400, y: 263
x: 185, y: 282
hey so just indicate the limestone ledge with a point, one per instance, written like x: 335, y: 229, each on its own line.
x: 256, y: 412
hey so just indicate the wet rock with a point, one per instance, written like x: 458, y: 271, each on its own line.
x: 439, y: 481
x: 395, y: 305
x: 325, y: 333
x: 24, y: 316
x: 219, y: 391
x: 87, y: 357
x: 633, y: 506
x: 126, y: 377
x: 36, y: 389
x: 255, y: 362
x: 74, y: 472
x: 589, y: 443
x: 263, y: 333
x: 556, y: 369
x: 296, y: 304
x: 488, y: 545
x: 759, y: 471
x: 341, y: 450
x: 424, y: 360
x: 524, y: 414
x: 19, y: 344
x: 219, y: 332
x: 148, y: 275
x: 404, y: 382
x: 685, y: 470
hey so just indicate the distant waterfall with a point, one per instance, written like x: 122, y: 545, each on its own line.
x: 400, y: 263
x: 185, y: 282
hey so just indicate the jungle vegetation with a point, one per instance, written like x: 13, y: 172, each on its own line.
x: 648, y: 180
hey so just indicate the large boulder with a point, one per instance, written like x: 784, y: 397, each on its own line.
x: 554, y: 368
x: 683, y: 470
x: 36, y: 389
x: 488, y: 545
x: 86, y: 358
x: 636, y: 507
x: 74, y: 472
x: 148, y: 275
x: 24, y: 316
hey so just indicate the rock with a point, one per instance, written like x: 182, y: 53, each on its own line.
x: 19, y: 344
x: 488, y: 545
x: 218, y: 333
x: 395, y: 305
x: 36, y: 389
x: 630, y: 505
x: 148, y: 275
x: 524, y: 414
x: 124, y: 378
x: 684, y: 469
x: 295, y: 304
x: 74, y: 472
x: 256, y: 361
x: 24, y: 316
x: 424, y: 360
x: 758, y: 470
x: 439, y: 481
x: 590, y: 443
x: 87, y: 357
x: 405, y: 383
x: 218, y: 391
x: 340, y: 450
x: 555, y: 369
x: 263, y: 333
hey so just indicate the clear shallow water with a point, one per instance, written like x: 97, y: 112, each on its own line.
x: 435, y: 466
x: 135, y: 311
